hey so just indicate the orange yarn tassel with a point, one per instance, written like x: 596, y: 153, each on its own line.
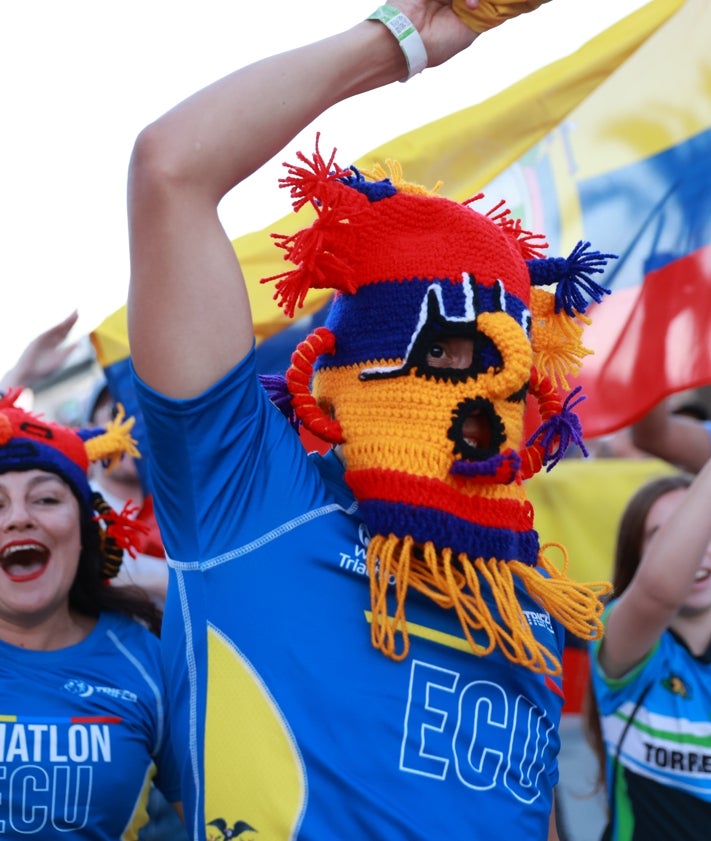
x: 455, y: 583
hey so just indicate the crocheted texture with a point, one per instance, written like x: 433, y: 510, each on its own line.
x: 29, y: 442
x: 298, y: 380
x: 436, y: 456
x: 557, y: 345
x: 118, y: 532
x: 560, y: 427
x: 575, y: 288
x: 115, y: 441
x: 276, y: 387
x: 488, y: 14
x: 403, y: 231
x: 454, y: 583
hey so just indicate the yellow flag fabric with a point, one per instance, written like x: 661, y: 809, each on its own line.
x: 465, y: 151
x: 579, y: 505
x: 110, y: 339
x: 489, y: 14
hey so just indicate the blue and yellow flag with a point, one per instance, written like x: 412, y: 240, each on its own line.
x: 629, y: 169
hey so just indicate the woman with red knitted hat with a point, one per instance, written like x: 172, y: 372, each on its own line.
x: 365, y: 644
x: 83, y: 725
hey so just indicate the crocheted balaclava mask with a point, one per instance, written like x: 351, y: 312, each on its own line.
x: 436, y: 456
x: 28, y: 442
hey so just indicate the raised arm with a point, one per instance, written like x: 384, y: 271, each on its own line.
x: 44, y: 355
x: 682, y: 441
x: 189, y: 316
x: 670, y: 561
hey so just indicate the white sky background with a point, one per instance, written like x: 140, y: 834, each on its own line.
x: 80, y: 78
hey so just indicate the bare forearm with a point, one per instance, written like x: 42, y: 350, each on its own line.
x: 677, y: 548
x: 186, y: 281
x: 684, y: 442
x: 223, y: 133
x: 675, y: 552
x: 189, y: 315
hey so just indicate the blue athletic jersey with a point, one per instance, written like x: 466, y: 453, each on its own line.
x: 289, y: 724
x: 662, y: 783
x: 82, y: 731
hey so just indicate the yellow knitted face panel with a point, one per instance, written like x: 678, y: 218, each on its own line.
x: 408, y: 422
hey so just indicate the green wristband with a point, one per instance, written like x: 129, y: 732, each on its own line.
x: 407, y: 36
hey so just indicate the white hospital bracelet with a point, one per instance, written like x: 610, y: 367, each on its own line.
x: 407, y: 37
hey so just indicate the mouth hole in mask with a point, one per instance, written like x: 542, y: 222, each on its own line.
x: 476, y: 430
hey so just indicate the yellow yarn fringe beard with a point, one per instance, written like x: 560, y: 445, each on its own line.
x: 455, y: 583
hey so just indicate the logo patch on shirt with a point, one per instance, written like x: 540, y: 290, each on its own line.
x: 676, y: 686
x: 85, y: 690
x: 219, y: 830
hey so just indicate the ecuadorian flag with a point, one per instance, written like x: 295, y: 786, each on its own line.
x: 610, y: 145
x: 630, y: 170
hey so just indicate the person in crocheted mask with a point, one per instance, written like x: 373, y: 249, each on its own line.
x: 322, y: 623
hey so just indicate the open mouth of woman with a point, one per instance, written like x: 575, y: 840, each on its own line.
x: 24, y: 561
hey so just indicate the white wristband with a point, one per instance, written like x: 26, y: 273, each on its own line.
x: 407, y: 37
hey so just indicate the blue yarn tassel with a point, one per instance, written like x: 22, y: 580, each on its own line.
x: 373, y: 190
x: 575, y: 288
